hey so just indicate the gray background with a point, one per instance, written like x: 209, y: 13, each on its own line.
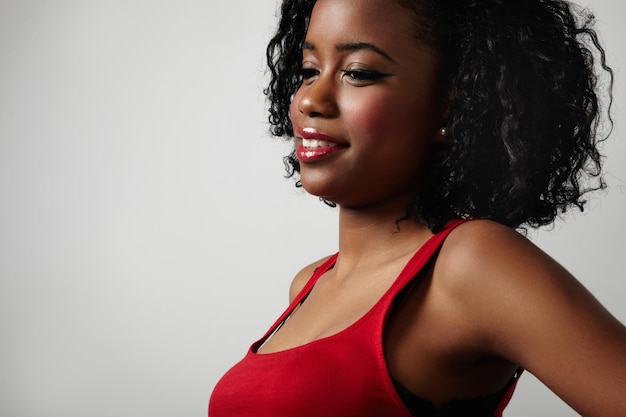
x: 147, y: 236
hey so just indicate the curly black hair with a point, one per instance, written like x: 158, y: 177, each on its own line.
x: 523, y: 98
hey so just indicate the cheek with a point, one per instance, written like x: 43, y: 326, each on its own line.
x: 383, y: 115
x: 370, y: 112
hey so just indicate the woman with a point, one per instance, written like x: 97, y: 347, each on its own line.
x: 411, y: 115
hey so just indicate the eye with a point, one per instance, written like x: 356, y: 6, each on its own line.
x: 364, y: 75
x: 308, y: 73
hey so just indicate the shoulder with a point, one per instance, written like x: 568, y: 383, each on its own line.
x: 497, y: 280
x: 526, y: 308
x: 512, y: 294
x: 303, y: 276
x: 482, y: 248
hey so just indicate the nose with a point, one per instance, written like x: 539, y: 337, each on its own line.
x: 318, y: 98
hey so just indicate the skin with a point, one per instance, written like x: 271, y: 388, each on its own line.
x: 385, y: 125
x: 491, y: 301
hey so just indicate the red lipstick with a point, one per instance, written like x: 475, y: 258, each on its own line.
x: 315, y: 145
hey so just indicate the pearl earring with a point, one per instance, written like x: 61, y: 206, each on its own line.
x: 443, y: 131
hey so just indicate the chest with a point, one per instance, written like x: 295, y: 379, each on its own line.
x: 332, y: 306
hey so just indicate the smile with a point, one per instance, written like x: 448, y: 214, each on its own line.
x: 317, y: 143
x: 313, y: 138
x: 315, y: 146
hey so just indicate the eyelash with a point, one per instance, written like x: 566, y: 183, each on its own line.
x: 306, y: 73
x: 364, y: 75
x: 358, y: 75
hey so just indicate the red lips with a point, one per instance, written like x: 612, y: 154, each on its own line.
x: 315, y: 145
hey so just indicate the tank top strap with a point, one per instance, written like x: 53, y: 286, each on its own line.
x: 304, y: 292
x: 410, y: 270
x: 423, y: 255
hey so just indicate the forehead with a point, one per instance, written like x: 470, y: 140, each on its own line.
x: 360, y: 20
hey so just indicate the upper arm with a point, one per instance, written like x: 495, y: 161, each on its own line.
x: 531, y: 311
x: 303, y: 277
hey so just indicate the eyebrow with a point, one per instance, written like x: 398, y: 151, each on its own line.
x: 354, y: 46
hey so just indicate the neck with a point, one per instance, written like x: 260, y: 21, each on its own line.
x: 377, y: 236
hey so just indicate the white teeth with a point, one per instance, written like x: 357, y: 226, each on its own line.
x: 316, y: 143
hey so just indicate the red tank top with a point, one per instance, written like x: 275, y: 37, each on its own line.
x: 344, y: 374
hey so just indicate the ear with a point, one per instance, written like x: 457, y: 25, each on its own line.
x: 442, y: 135
x: 444, y: 132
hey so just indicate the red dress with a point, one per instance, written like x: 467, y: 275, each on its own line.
x: 343, y: 375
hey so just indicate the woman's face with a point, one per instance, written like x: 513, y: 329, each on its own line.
x: 368, y: 109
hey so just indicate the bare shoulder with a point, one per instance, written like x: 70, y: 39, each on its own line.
x: 477, y: 236
x: 478, y: 251
x: 303, y: 276
x: 486, y: 266
x: 531, y: 311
